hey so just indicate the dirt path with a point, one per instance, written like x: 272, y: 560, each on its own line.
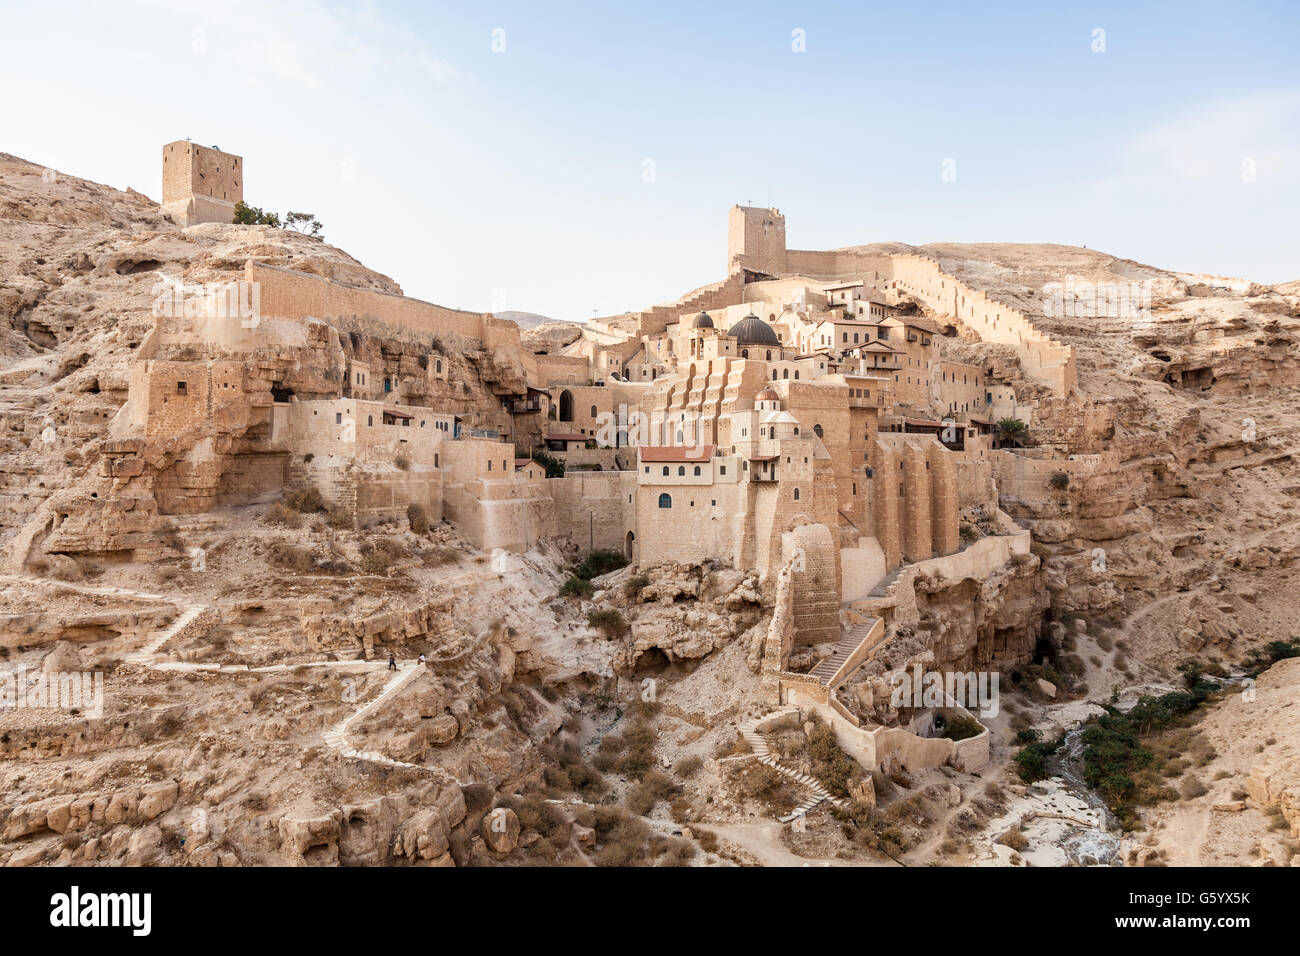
x: 763, y: 842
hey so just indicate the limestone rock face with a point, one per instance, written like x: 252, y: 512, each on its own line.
x: 158, y: 798
x: 317, y: 835
x: 64, y: 658
x: 501, y: 830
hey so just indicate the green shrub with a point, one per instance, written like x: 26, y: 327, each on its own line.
x: 577, y: 587
x: 1059, y: 480
x: 831, y: 765
x: 608, y: 621
x: 599, y: 562
x: 634, y: 585
x: 961, y: 727
x: 1031, y: 762
x: 554, y: 466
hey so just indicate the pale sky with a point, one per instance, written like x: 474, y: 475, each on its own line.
x: 570, y: 158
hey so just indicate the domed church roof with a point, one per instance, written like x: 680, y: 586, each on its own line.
x: 702, y: 321
x: 751, y: 330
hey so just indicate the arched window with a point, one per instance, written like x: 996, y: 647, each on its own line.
x: 681, y: 471
x: 593, y: 411
x: 665, y: 471
x: 566, y: 406
x: 697, y: 471
x: 769, y: 355
x: 796, y: 494
x: 744, y: 353
x: 370, y: 420
x: 818, y: 430
x: 665, y: 501
x: 438, y: 365
x: 787, y: 374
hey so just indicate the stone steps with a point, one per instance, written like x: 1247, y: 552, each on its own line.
x: 336, y: 738
x: 758, y: 743
x: 884, y: 585
x: 156, y: 641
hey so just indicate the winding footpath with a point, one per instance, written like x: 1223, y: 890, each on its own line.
x: 148, y: 654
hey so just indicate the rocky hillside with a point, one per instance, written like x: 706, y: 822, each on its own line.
x: 1183, y: 534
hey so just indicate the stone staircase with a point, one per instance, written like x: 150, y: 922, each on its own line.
x: 336, y: 738
x: 758, y: 745
x: 884, y: 585
x: 149, y: 651
x: 828, y: 666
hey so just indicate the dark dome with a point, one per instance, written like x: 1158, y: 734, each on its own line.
x: 702, y: 321
x: 751, y: 330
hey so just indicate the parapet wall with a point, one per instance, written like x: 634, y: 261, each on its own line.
x: 1027, y: 479
x: 1044, y: 360
x: 288, y: 294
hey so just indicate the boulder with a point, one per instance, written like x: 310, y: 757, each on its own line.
x: 501, y: 830
x: 157, y: 798
x: 442, y: 730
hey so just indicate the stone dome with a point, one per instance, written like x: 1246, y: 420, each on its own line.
x: 751, y: 330
x: 768, y: 395
x: 702, y: 321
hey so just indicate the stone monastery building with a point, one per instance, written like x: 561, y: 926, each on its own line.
x: 797, y: 416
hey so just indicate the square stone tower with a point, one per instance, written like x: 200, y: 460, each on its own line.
x: 200, y: 184
x: 755, y: 237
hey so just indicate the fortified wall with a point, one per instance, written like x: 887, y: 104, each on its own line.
x: 756, y: 247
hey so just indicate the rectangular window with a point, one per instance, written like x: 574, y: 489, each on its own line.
x: 180, y: 388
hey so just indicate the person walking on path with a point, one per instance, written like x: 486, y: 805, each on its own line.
x: 392, y: 662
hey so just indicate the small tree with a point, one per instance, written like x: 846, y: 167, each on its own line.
x: 554, y: 466
x: 246, y: 215
x: 304, y: 222
x: 1013, y: 430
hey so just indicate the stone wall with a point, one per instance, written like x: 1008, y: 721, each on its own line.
x: 596, y: 509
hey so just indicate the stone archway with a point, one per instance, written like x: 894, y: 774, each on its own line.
x: 629, y: 546
x: 566, y: 406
